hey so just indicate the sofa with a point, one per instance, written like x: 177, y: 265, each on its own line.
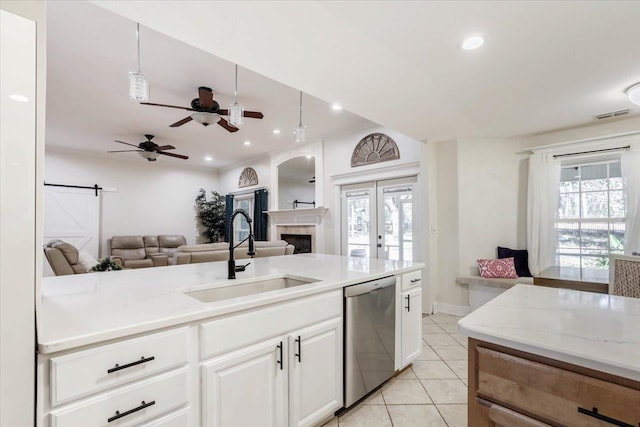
x: 145, y: 251
x: 209, y: 252
x: 65, y: 259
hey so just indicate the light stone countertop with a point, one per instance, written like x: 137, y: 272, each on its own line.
x: 89, y: 308
x: 596, y: 331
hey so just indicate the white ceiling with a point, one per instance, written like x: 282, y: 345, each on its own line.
x: 91, y: 50
x: 545, y: 65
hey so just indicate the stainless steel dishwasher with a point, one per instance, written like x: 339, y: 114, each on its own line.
x: 370, y: 336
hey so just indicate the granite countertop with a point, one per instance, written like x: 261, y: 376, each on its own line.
x: 89, y: 308
x: 596, y: 331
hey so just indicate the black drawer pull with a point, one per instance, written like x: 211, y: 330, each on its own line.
x: 299, y: 353
x: 408, y: 307
x: 415, y: 280
x: 119, y: 414
x: 128, y: 365
x: 279, y: 362
x: 594, y: 413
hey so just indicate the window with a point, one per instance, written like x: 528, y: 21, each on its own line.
x: 591, y: 215
x: 240, y: 225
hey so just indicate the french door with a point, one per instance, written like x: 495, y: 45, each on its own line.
x: 377, y: 219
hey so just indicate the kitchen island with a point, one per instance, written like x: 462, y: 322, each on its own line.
x: 184, y: 346
x: 543, y: 356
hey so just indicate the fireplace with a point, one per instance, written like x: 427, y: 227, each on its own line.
x: 302, y: 242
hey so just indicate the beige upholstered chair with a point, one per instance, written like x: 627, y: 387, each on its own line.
x: 134, y: 252
x: 624, y: 275
x: 64, y: 258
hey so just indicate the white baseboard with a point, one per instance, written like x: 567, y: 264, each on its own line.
x: 457, y: 310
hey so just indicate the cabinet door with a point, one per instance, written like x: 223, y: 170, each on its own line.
x: 246, y: 387
x: 315, y: 372
x: 411, y: 325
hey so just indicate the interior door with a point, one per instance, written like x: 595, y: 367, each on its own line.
x: 72, y: 215
x: 377, y: 219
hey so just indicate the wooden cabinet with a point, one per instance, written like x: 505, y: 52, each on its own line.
x: 508, y: 387
x: 315, y: 373
x: 411, y: 320
x: 247, y: 387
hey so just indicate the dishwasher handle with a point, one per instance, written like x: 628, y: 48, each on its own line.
x: 366, y: 287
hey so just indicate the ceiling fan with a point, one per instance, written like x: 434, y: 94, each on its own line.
x: 150, y: 150
x: 206, y: 111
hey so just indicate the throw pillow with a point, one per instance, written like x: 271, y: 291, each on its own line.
x: 86, y: 261
x: 520, y: 259
x: 497, y: 268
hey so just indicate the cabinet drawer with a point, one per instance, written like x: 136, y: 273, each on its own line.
x: 411, y: 280
x: 84, y: 372
x: 229, y: 333
x: 128, y: 405
x: 174, y: 419
x: 552, y: 394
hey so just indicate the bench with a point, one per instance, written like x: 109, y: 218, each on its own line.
x: 483, y: 290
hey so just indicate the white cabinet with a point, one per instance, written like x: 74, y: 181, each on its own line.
x: 315, y: 372
x: 247, y: 387
x: 411, y: 325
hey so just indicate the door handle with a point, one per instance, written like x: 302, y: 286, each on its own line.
x: 408, y: 307
x: 299, y: 353
x: 279, y: 361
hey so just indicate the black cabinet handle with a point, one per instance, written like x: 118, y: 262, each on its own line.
x: 408, y: 307
x: 415, y: 280
x: 128, y: 365
x: 279, y: 361
x: 299, y: 353
x: 119, y: 414
x: 594, y: 413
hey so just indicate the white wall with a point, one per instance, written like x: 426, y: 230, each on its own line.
x: 295, y: 189
x: 228, y: 177
x: 151, y: 197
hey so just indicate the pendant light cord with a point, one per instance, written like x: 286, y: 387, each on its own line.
x: 236, y: 90
x: 138, y: 38
x: 300, y: 108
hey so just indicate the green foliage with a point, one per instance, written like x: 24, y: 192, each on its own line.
x: 211, y: 215
x: 106, y: 264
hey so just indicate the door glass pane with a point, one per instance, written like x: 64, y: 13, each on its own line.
x: 398, y: 223
x: 240, y: 224
x: 358, y: 225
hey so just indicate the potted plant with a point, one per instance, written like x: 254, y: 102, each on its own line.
x: 106, y: 264
x: 211, y: 215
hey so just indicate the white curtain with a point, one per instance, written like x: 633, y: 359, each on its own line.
x: 542, y: 210
x: 630, y: 165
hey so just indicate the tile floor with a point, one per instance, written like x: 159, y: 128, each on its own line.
x: 431, y: 392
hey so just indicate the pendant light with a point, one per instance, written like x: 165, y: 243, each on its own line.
x: 236, y: 112
x: 300, y: 130
x: 138, y: 82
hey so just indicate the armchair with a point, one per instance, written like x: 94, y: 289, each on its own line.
x: 65, y: 259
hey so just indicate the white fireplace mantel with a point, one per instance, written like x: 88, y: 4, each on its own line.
x: 311, y: 216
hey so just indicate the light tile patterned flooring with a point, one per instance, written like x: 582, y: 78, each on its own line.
x: 430, y: 393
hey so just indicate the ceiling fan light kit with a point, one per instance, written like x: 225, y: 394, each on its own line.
x: 205, y: 119
x: 633, y: 93
x: 300, y: 131
x: 149, y: 155
x: 138, y: 82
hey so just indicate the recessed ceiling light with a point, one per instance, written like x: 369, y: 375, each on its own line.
x: 247, y: 143
x: 276, y: 131
x: 472, y: 43
x: 208, y: 158
x: 336, y: 107
x: 19, y: 98
x: 634, y: 93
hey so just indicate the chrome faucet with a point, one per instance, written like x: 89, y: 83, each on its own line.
x: 251, y: 252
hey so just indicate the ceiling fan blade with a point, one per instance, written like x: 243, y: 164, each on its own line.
x: 181, y: 122
x: 253, y: 114
x: 165, y: 147
x: 225, y: 124
x: 122, y: 151
x: 205, y: 97
x: 180, y: 156
x: 222, y: 112
x: 126, y: 143
x: 167, y: 105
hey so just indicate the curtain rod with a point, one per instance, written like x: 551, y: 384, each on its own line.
x: 626, y: 147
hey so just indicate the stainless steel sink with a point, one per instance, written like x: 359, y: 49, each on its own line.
x: 251, y: 288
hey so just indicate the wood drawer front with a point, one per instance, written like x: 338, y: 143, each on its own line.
x: 553, y: 394
x: 503, y: 417
x: 227, y: 334
x: 84, y: 372
x: 167, y: 392
x: 411, y: 280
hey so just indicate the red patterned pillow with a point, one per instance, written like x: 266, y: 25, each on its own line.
x: 497, y: 268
